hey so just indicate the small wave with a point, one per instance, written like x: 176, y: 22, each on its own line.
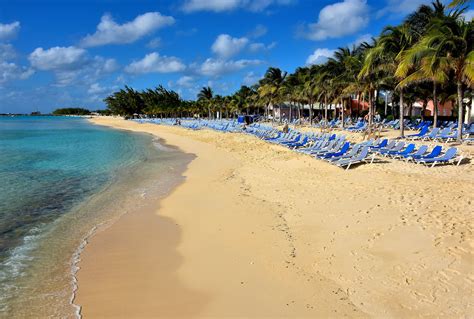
x: 76, y: 258
x: 15, y: 265
x: 161, y: 147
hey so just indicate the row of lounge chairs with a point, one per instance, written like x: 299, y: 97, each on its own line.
x: 420, y: 155
x: 335, y: 149
x: 331, y: 148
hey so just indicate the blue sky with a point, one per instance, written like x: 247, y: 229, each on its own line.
x: 74, y: 53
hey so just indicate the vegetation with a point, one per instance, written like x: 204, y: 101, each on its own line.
x: 429, y: 56
x: 71, y: 111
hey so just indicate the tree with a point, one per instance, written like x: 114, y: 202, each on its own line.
x: 270, y: 85
x: 449, y: 43
x: 385, y: 56
x: 205, y: 95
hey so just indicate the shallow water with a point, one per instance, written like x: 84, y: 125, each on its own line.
x: 60, y: 180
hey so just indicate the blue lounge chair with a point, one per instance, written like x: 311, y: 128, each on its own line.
x: 420, y: 152
x: 448, y: 157
x: 424, y: 130
x: 331, y: 146
x: 434, y: 153
x: 358, y: 158
x: 395, y: 149
x: 381, y: 144
x: 432, y: 135
x: 341, y: 152
x: 409, y: 149
x: 298, y: 144
x: 352, y: 153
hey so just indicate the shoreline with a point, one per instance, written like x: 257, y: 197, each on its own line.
x: 278, y: 237
x: 37, y: 276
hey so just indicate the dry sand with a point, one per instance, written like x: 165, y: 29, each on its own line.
x: 257, y: 230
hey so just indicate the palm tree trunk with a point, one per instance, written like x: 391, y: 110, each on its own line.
x: 467, y: 114
x: 326, y: 109
x: 423, y: 109
x: 290, y: 115
x: 435, y: 106
x: 460, y: 109
x: 342, y: 112
x: 310, y: 112
x: 370, y: 108
x: 402, y: 126
x: 299, y: 112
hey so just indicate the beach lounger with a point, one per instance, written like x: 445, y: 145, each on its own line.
x: 341, y: 152
x: 448, y: 157
x: 432, y: 135
x: 394, y: 149
x: 381, y: 143
x: 424, y: 130
x: 298, y: 144
x: 358, y: 158
x: 355, y: 149
x: 434, y: 153
x: 408, y: 150
x: 420, y: 152
x: 332, y: 146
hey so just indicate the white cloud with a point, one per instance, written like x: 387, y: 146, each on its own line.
x: 7, y: 52
x: 211, y: 5
x: 218, y: 67
x: 154, y: 43
x: 154, y: 63
x: 96, y: 88
x: 228, y: 5
x: 10, y: 71
x: 259, y: 31
x: 363, y: 38
x: 256, y: 47
x: 338, y: 20
x: 97, y: 92
x: 110, y: 32
x: 185, y: 81
x: 468, y: 15
x: 319, y: 56
x: 71, y: 64
x: 226, y: 46
x: 58, y: 58
x: 250, y: 79
x: 9, y: 31
x: 401, y: 7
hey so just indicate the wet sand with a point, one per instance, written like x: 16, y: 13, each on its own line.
x: 258, y: 231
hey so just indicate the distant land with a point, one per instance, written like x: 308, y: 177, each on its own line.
x: 62, y: 112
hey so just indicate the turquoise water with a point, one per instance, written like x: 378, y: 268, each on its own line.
x: 47, y: 164
x: 57, y: 177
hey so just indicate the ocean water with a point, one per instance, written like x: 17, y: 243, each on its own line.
x: 62, y: 179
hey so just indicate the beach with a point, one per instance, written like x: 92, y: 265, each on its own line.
x: 257, y: 230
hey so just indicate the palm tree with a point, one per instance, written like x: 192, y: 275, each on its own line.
x: 457, y: 3
x: 206, y: 95
x: 449, y: 43
x: 383, y: 59
x: 270, y: 85
x: 429, y: 67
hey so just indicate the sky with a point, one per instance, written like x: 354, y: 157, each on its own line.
x: 73, y: 53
